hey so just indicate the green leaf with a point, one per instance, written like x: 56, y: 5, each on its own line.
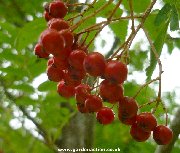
x: 163, y: 15
x: 47, y: 86
x: 158, y: 44
x: 23, y: 87
x: 120, y: 29
x: 174, y: 23
x: 29, y: 33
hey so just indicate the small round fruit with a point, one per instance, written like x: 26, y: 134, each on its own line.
x: 82, y: 108
x: 65, y: 90
x: 146, y: 121
x: 38, y: 50
x: 110, y: 92
x: 82, y: 92
x: 93, y: 103
x: 116, y: 72
x: 59, y: 63
x: 138, y: 134
x: 68, y: 37
x: 94, y: 64
x: 58, y: 9
x: 52, y: 41
x: 105, y: 115
x: 76, y: 59
x: 162, y: 135
x: 58, y: 24
x: 127, y: 107
x: 64, y: 54
x: 54, y: 74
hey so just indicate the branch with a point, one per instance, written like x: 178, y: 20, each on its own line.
x: 175, y: 124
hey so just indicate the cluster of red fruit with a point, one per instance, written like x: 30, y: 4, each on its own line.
x: 69, y: 63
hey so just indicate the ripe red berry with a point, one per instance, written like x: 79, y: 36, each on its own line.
x: 127, y: 121
x: 93, y: 103
x: 38, y: 50
x: 76, y: 59
x: 110, y: 92
x: 64, y: 54
x: 127, y: 107
x: 146, y: 121
x: 82, y: 92
x: 59, y: 63
x: 162, y: 135
x: 58, y: 9
x: 138, y: 134
x: 116, y: 72
x: 58, y: 24
x: 65, y: 90
x: 105, y: 115
x: 68, y: 37
x: 73, y: 77
x: 94, y: 64
x: 54, y: 74
x: 52, y: 41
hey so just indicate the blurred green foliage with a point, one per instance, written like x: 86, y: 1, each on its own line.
x: 21, y: 23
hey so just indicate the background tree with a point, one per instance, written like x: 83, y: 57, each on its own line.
x: 34, y: 118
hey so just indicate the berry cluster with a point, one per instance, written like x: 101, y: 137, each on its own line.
x: 69, y: 64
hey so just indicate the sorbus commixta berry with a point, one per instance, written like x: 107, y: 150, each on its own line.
x: 64, y: 90
x: 58, y: 24
x: 52, y: 41
x: 162, y: 135
x: 116, y: 72
x: 54, y: 74
x: 76, y: 59
x: 57, y: 9
x: 110, y: 92
x: 138, y: 134
x: 94, y: 64
x: 127, y: 107
x: 38, y: 50
x: 105, y: 115
x: 68, y: 37
x: 93, y: 103
x: 146, y: 121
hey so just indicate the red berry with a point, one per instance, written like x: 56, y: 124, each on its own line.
x: 52, y: 41
x: 73, y: 77
x: 94, y: 64
x: 76, y: 59
x: 82, y: 92
x: 127, y: 107
x: 65, y: 90
x: 105, y: 115
x: 127, y: 121
x: 54, y: 74
x: 58, y: 24
x: 116, y: 72
x: 146, y: 121
x: 38, y: 50
x: 68, y: 37
x: 93, y: 103
x: 59, y: 63
x: 64, y: 54
x: 110, y: 92
x: 138, y: 134
x: 47, y: 16
x: 58, y: 9
x: 162, y: 135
